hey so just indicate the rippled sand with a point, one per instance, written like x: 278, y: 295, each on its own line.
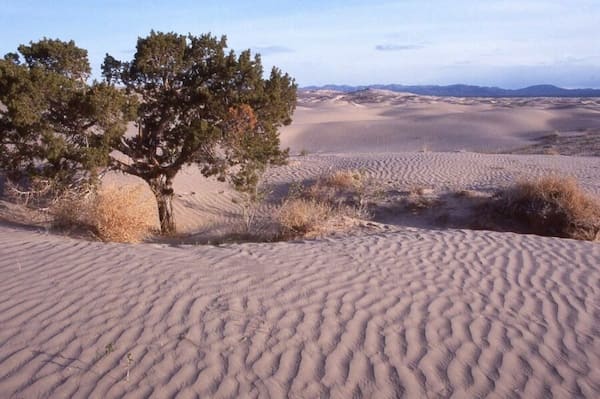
x: 388, y: 311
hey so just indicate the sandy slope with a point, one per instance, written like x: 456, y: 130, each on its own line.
x: 388, y: 311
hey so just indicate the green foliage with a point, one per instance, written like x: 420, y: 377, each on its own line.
x: 54, y: 124
x: 195, y: 102
x: 201, y: 104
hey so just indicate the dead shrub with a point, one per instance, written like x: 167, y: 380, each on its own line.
x: 332, y: 203
x: 113, y: 213
x: 551, y: 206
x: 470, y: 194
x: 71, y: 211
x: 417, y: 203
x: 344, y: 179
x: 123, y: 214
x: 301, y: 216
x: 35, y: 193
x: 344, y: 188
x: 551, y: 151
x: 418, y: 190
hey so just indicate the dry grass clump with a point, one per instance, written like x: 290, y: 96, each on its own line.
x: 418, y: 190
x: 344, y: 180
x: 117, y: 214
x: 420, y: 198
x: 341, y: 189
x: 71, y: 211
x: 416, y: 203
x: 123, y: 214
x: 324, y: 206
x: 467, y: 194
x: 552, y: 206
x: 301, y: 216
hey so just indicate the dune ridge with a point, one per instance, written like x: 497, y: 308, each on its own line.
x: 383, y: 121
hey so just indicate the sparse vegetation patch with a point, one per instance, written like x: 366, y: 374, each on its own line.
x: 301, y: 216
x: 550, y: 206
x: 322, y: 206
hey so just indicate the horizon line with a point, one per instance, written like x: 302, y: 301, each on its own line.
x: 370, y: 85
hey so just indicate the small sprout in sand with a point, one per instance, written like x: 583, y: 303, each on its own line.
x: 109, y: 348
x: 129, y: 363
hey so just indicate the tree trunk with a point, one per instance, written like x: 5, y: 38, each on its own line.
x: 162, y: 188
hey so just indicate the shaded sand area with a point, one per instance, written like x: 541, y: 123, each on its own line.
x: 406, y: 305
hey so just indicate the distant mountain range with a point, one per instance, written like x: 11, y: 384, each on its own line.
x: 460, y: 90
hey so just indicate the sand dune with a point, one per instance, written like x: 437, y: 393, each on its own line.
x: 379, y: 121
x: 388, y: 310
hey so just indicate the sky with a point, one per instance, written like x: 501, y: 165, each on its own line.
x: 505, y: 43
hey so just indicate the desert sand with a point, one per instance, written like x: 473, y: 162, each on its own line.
x: 382, y: 121
x: 401, y: 306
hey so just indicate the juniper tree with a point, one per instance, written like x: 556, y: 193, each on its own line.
x: 200, y: 104
x: 53, y: 124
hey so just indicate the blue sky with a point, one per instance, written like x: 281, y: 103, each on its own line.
x: 507, y: 43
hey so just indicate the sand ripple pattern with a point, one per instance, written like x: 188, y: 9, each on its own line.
x: 444, y: 170
x: 414, y: 313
